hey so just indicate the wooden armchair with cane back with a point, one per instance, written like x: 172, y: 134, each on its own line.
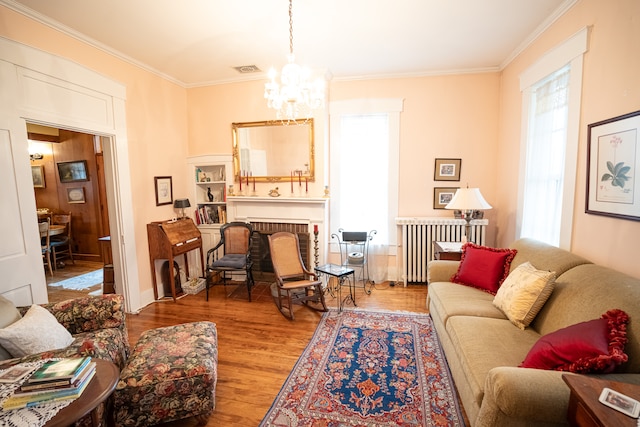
x: 294, y: 283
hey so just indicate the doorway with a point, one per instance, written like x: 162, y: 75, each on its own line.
x: 83, y: 198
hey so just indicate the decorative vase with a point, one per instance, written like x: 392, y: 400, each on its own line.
x: 209, y: 195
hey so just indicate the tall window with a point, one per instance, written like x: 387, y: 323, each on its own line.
x: 364, y: 167
x: 551, y: 90
x: 546, y: 149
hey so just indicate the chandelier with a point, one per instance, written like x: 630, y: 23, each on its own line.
x: 295, y: 97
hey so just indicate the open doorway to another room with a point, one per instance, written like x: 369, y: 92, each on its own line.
x: 69, y: 178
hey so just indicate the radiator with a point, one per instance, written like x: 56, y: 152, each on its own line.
x: 418, y: 235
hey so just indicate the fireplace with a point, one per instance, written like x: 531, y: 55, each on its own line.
x: 268, y: 215
x: 260, y: 253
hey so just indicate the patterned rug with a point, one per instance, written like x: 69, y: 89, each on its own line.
x: 365, y: 368
x: 81, y: 282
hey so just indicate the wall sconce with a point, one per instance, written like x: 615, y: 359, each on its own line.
x: 182, y: 203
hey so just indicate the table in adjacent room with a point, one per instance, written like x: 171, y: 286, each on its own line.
x: 342, y: 275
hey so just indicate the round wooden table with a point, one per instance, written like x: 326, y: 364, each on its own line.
x: 98, y: 390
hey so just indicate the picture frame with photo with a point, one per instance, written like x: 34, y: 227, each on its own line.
x: 442, y: 196
x: 75, y: 195
x: 613, y: 162
x: 447, y: 170
x: 620, y: 402
x: 37, y: 174
x: 73, y: 171
x: 164, y: 190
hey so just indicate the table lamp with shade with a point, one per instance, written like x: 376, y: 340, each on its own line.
x: 467, y: 200
x: 182, y: 203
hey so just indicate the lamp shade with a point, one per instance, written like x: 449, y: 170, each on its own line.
x: 181, y: 203
x: 467, y: 199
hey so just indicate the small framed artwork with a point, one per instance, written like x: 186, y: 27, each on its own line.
x: 447, y: 170
x: 164, y: 190
x: 613, y: 162
x: 73, y: 171
x: 75, y: 195
x: 442, y: 196
x: 37, y: 173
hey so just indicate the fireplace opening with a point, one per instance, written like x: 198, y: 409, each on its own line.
x: 260, y: 254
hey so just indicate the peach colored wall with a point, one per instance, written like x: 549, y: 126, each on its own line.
x: 610, y: 88
x: 156, y: 121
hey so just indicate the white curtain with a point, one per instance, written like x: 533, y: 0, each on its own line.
x: 545, y: 159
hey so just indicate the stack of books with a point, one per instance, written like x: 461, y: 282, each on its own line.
x: 55, y: 380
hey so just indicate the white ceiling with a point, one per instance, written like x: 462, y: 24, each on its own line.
x: 198, y: 42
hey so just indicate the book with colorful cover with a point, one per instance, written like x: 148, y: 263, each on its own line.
x: 47, y: 387
x: 17, y: 401
x: 61, y: 369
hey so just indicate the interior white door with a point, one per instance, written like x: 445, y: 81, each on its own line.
x: 21, y: 268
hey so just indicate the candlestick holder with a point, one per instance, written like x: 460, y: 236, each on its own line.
x: 316, y: 249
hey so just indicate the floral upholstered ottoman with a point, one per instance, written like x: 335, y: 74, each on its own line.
x: 170, y: 375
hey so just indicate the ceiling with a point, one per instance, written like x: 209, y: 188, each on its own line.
x: 199, y: 42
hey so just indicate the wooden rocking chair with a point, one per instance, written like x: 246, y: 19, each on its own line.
x: 295, y: 284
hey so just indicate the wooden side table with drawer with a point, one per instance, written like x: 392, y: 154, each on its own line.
x: 447, y: 250
x: 585, y: 410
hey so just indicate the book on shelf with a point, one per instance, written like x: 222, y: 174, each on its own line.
x: 61, y: 369
x: 48, y: 386
x: 18, y: 400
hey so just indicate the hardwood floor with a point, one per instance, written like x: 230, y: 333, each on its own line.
x: 257, y: 346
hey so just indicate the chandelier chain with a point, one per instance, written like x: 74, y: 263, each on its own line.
x: 291, y: 27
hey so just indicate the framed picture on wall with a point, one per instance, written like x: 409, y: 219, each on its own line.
x: 75, y: 195
x: 447, y: 170
x: 164, y: 190
x: 73, y: 171
x: 613, y: 162
x: 37, y: 173
x: 442, y: 196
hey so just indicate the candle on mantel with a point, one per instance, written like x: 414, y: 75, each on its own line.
x: 292, y: 181
x: 306, y: 185
x: 240, y: 179
x: 248, y: 179
x: 254, y: 184
x: 300, y: 178
x: 315, y: 228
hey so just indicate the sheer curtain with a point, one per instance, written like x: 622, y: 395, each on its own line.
x: 545, y: 158
x: 364, y: 170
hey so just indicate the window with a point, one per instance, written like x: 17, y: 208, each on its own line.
x: 364, y: 167
x: 549, y: 145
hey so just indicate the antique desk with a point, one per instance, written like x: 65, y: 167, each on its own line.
x: 167, y: 240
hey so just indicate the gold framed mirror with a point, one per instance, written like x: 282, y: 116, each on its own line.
x: 273, y: 151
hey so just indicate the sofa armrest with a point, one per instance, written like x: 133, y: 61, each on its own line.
x: 521, y: 396
x: 441, y: 271
x: 88, y: 314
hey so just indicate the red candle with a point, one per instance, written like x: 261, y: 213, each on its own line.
x: 306, y: 185
x: 240, y: 176
x: 248, y: 179
x: 315, y: 228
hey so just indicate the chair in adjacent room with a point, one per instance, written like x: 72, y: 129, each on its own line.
x: 294, y: 283
x: 61, y: 243
x: 45, y: 244
x: 235, y: 256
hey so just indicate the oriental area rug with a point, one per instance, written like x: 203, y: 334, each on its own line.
x: 366, y: 368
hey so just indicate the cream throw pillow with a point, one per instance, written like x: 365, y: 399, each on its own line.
x: 37, y: 331
x: 523, y: 293
x: 8, y: 314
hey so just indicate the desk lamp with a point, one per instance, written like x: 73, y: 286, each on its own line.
x: 182, y: 203
x: 467, y: 200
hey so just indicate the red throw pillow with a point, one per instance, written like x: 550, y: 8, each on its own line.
x: 595, y: 346
x: 483, y: 267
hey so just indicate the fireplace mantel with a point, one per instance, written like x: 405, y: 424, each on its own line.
x: 311, y: 211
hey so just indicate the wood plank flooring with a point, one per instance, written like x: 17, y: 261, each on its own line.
x: 56, y: 293
x: 257, y: 346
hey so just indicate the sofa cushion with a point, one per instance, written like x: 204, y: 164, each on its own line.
x: 8, y: 314
x: 523, y: 293
x: 37, y: 331
x: 483, y: 267
x: 595, y: 346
